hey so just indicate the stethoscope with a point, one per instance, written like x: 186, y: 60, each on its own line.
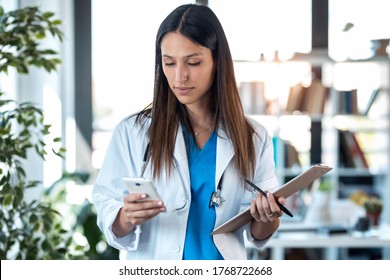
x: 215, y: 198
x: 178, y: 206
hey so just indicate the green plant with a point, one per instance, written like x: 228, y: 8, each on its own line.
x: 20, y: 34
x: 80, y: 214
x: 373, y: 205
x: 29, y: 230
x: 325, y: 186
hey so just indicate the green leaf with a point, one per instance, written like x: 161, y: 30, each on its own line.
x: 48, y: 51
x: 46, y: 129
x: 56, y: 22
x: 36, y: 227
x: 33, y: 219
x: 8, y: 199
x: 47, y: 15
x: 4, y: 131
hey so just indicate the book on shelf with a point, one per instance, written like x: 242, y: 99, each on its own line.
x: 371, y: 101
x: 315, y: 98
x: 348, y: 103
x: 311, y: 99
x: 291, y: 156
x: 289, y: 152
x: 295, y: 98
x: 351, y: 153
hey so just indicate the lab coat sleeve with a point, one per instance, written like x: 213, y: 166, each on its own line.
x: 265, y: 175
x: 255, y: 242
x: 107, y: 211
x: 259, y: 243
x: 109, y: 190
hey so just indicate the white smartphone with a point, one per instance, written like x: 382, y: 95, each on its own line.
x: 142, y: 185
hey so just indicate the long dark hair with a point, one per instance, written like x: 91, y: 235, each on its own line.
x: 201, y: 25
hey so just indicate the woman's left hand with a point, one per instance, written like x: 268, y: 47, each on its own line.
x: 264, y: 209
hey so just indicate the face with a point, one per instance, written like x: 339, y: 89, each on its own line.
x: 189, y: 69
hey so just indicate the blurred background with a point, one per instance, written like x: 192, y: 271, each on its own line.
x: 314, y: 72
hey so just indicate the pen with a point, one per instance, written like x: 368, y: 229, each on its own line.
x: 284, y: 209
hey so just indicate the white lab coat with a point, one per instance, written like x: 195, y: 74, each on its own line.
x: 162, y: 237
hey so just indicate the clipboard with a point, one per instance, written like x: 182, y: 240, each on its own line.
x: 294, y: 185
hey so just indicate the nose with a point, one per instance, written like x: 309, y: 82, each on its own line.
x: 181, y: 73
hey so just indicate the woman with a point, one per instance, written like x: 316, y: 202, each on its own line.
x: 196, y: 142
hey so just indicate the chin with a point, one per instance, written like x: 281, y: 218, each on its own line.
x: 184, y: 100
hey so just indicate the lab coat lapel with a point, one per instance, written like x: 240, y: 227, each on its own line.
x: 225, y: 153
x: 180, y: 154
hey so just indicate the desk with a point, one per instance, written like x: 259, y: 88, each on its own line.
x: 296, y: 235
x: 330, y: 243
x: 342, y: 213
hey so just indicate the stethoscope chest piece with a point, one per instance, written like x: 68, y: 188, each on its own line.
x: 215, y: 199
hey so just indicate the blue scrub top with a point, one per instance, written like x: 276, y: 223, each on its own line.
x: 199, y: 244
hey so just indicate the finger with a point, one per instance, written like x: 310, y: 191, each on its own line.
x: 140, y: 216
x: 133, y: 197
x: 266, y: 208
x: 144, y: 205
x: 281, y: 200
x: 138, y: 210
x: 253, y: 209
x: 259, y: 204
x: 275, y: 209
x: 139, y: 201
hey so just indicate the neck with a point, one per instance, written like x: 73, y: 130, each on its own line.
x: 200, y: 119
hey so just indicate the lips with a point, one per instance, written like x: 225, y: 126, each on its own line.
x: 183, y: 90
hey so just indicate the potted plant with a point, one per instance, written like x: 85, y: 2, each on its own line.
x: 80, y: 215
x: 29, y: 230
x: 373, y: 206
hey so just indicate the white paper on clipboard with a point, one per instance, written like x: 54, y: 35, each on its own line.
x: 294, y: 185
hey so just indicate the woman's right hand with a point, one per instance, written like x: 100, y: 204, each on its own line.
x: 135, y: 211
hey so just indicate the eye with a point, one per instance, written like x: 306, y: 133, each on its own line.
x: 194, y: 63
x: 169, y: 64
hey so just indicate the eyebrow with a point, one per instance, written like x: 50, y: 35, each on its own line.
x: 187, y: 56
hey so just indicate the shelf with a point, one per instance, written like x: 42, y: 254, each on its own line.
x: 315, y: 135
x: 359, y: 172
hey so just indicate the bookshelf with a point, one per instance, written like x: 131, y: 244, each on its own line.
x: 359, y: 124
x: 341, y: 119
